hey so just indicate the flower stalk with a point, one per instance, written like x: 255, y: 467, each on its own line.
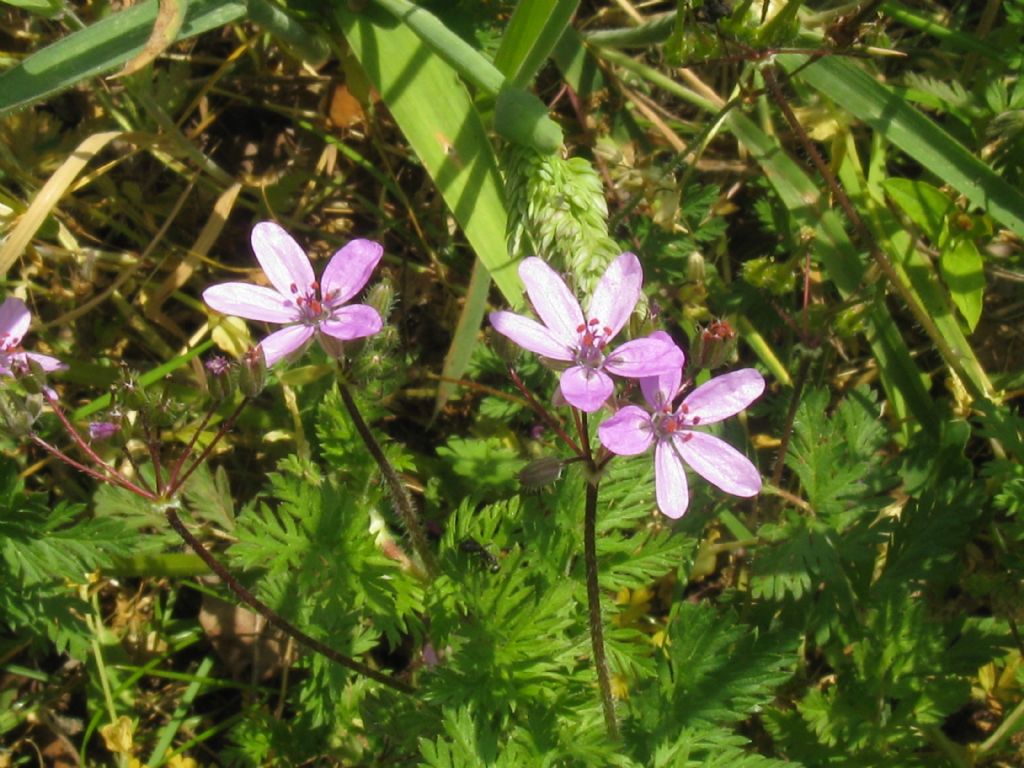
x: 400, y: 495
x: 273, y: 618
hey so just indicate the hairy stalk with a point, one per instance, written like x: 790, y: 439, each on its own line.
x: 114, y: 478
x: 79, y: 441
x: 275, y: 619
x: 594, y: 603
x: 224, y: 428
x: 402, y: 500
x: 594, y: 588
x: 172, y: 480
x: 543, y: 412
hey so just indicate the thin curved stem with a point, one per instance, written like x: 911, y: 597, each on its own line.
x: 275, y: 619
x: 399, y: 494
x: 224, y: 428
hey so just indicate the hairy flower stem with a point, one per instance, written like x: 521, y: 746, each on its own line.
x: 400, y: 496
x: 224, y: 428
x: 593, y: 586
x: 594, y: 602
x: 114, y: 478
x: 274, y: 618
x: 543, y: 412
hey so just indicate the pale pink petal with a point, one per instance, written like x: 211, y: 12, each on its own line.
x: 14, y: 321
x: 531, y: 335
x: 617, y: 292
x: 628, y: 432
x: 284, y: 342
x: 719, y: 463
x: 253, y: 302
x: 670, y: 485
x: 552, y: 300
x: 46, y: 362
x: 585, y: 388
x: 284, y: 262
x: 640, y: 358
x: 724, y: 396
x: 354, y: 321
x: 349, y: 270
x: 660, y: 390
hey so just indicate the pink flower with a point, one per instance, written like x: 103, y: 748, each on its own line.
x: 14, y: 321
x: 676, y: 441
x: 568, y: 337
x: 297, y: 301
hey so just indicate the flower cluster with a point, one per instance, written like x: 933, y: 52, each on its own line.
x: 579, y: 345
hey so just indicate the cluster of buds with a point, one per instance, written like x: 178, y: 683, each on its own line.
x: 713, y: 346
x: 223, y: 377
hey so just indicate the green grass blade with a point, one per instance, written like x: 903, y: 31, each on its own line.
x: 871, y: 102
x: 901, y: 377
x: 150, y: 377
x: 951, y: 39
x: 466, y: 332
x: 101, y: 48
x: 532, y: 33
x: 521, y: 116
x: 437, y: 117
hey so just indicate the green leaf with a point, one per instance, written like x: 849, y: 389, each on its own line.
x: 466, y: 331
x: 860, y: 94
x: 923, y: 204
x: 101, y: 48
x: 40, y: 7
x: 437, y: 117
x: 532, y: 33
x: 964, y: 272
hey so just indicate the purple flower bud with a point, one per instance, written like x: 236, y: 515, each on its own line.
x: 540, y: 472
x: 714, y: 345
x: 102, y: 430
x: 252, y: 376
x: 218, y: 365
x: 219, y: 379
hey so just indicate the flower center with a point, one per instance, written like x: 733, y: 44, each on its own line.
x: 8, y: 343
x: 311, y: 308
x: 669, y: 423
x: 593, y: 340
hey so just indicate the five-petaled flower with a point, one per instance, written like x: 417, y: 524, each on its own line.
x: 304, y: 306
x: 632, y: 430
x: 14, y: 321
x: 567, y: 336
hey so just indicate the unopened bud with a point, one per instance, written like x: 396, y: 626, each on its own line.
x: 540, y: 472
x: 714, y: 345
x: 504, y: 348
x: 252, y: 375
x: 130, y: 393
x: 102, y: 430
x: 18, y: 415
x: 695, y: 267
x: 382, y: 298
x: 29, y: 374
x: 219, y: 378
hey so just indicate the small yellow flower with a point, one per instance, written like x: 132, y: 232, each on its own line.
x: 180, y: 761
x: 118, y: 735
